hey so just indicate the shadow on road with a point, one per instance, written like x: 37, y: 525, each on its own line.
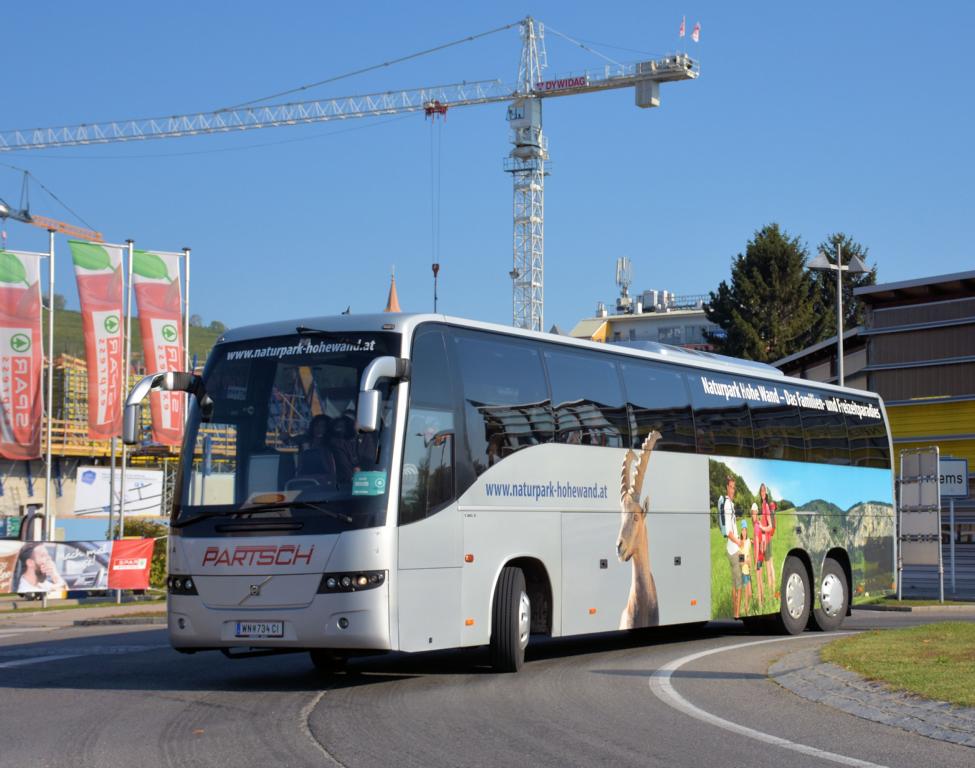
x: 134, y: 661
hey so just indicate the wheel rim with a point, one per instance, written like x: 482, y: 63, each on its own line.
x: 831, y: 595
x: 795, y: 595
x: 524, y: 619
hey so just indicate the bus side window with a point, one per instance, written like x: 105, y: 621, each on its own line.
x: 506, y: 403
x: 778, y: 431
x: 587, y: 399
x: 658, y: 400
x: 868, y: 441
x: 825, y: 437
x: 721, y: 418
x: 428, y: 457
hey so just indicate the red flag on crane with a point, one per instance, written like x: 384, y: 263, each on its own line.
x: 683, y: 26
x: 696, y: 33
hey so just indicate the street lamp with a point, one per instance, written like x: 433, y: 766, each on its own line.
x: 855, y: 267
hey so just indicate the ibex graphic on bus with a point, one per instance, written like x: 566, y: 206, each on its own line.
x: 632, y: 545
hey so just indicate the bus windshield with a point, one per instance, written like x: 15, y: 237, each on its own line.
x: 280, y: 437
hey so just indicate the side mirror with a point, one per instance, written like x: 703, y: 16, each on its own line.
x: 367, y: 406
x: 367, y: 411
x: 169, y: 381
x: 131, y: 421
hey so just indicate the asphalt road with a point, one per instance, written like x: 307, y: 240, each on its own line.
x: 118, y: 696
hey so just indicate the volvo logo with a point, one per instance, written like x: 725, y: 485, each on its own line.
x: 254, y: 590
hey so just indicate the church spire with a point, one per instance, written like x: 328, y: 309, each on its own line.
x: 392, y: 302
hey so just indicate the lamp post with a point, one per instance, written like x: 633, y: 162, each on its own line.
x: 855, y: 267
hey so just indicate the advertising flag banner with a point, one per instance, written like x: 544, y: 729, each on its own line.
x: 696, y: 32
x: 98, y: 269
x: 683, y: 26
x: 47, y: 566
x: 21, y: 359
x: 157, y: 294
x: 131, y: 560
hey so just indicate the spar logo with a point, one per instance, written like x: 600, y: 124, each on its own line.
x: 169, y: 333
x: 20, y: 343
x: 111, y: 323
x: 130, y: 564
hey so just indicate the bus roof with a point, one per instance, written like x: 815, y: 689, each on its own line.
x: 405, y: 323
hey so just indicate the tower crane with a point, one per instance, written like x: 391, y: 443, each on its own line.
x: 526, y: 160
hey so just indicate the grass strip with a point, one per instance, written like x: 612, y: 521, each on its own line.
x: 936, y: 661
x: 33, y: 606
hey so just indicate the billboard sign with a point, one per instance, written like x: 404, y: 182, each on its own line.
x: 46, y: 566
x: 143, y: 491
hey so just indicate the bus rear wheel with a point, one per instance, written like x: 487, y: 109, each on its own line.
x: 796, y: 596
x: 510, y: 621
x: 833, y: 597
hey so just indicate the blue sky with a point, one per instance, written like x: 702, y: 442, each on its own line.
x: 801, y: 483
x: 822, y: 117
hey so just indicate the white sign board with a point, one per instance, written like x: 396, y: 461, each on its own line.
x: 954, y: 477
x: 143, y: 492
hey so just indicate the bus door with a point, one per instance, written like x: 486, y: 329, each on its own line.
x: 429, y: 525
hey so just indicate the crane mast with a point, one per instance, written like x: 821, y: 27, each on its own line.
x: 526, y: 161
x: 526, y: 164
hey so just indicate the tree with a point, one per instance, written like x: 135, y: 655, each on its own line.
x: 766, y: 313
x: 217, y: 327
x: 825, y: 287
x: 196, y: 321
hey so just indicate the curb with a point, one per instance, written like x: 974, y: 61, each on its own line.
x: 120, y: 620
x: 806, y: 675
x: 916, y: 608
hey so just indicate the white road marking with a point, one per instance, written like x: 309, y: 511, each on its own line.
x: 38, y: 660
x: 663, y: 690
x: 98, y: 650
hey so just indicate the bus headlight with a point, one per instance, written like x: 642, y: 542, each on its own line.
x: 356, y: 581
x: 180, y: 585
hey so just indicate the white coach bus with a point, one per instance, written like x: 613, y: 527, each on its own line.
x: 358, y: 484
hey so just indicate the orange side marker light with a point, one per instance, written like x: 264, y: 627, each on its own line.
x: 469, y: 558
x: 693, y: 601
x: 469, y: 623
x: 592, y: 611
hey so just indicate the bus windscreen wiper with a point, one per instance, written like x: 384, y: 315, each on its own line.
x: 261, y: 509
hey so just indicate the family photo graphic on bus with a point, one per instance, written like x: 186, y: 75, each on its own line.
x: 763, y: 509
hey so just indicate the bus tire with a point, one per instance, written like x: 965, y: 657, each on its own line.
x: 326, y: 662
x: 832, y: 597
x: 510, y: 621
x: 796, y: 596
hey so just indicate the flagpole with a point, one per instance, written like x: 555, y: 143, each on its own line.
x: 48, y: 512
x: 126, y: 361
x: 186, y: 319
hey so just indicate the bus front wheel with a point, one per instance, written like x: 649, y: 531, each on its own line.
x: 833, y: 596
x: 796, y: 596
x: 510, y: 621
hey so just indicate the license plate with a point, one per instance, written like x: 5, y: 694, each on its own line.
x: 259, y: 629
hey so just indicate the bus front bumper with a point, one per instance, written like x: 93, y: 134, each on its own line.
x: 345, y: 621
